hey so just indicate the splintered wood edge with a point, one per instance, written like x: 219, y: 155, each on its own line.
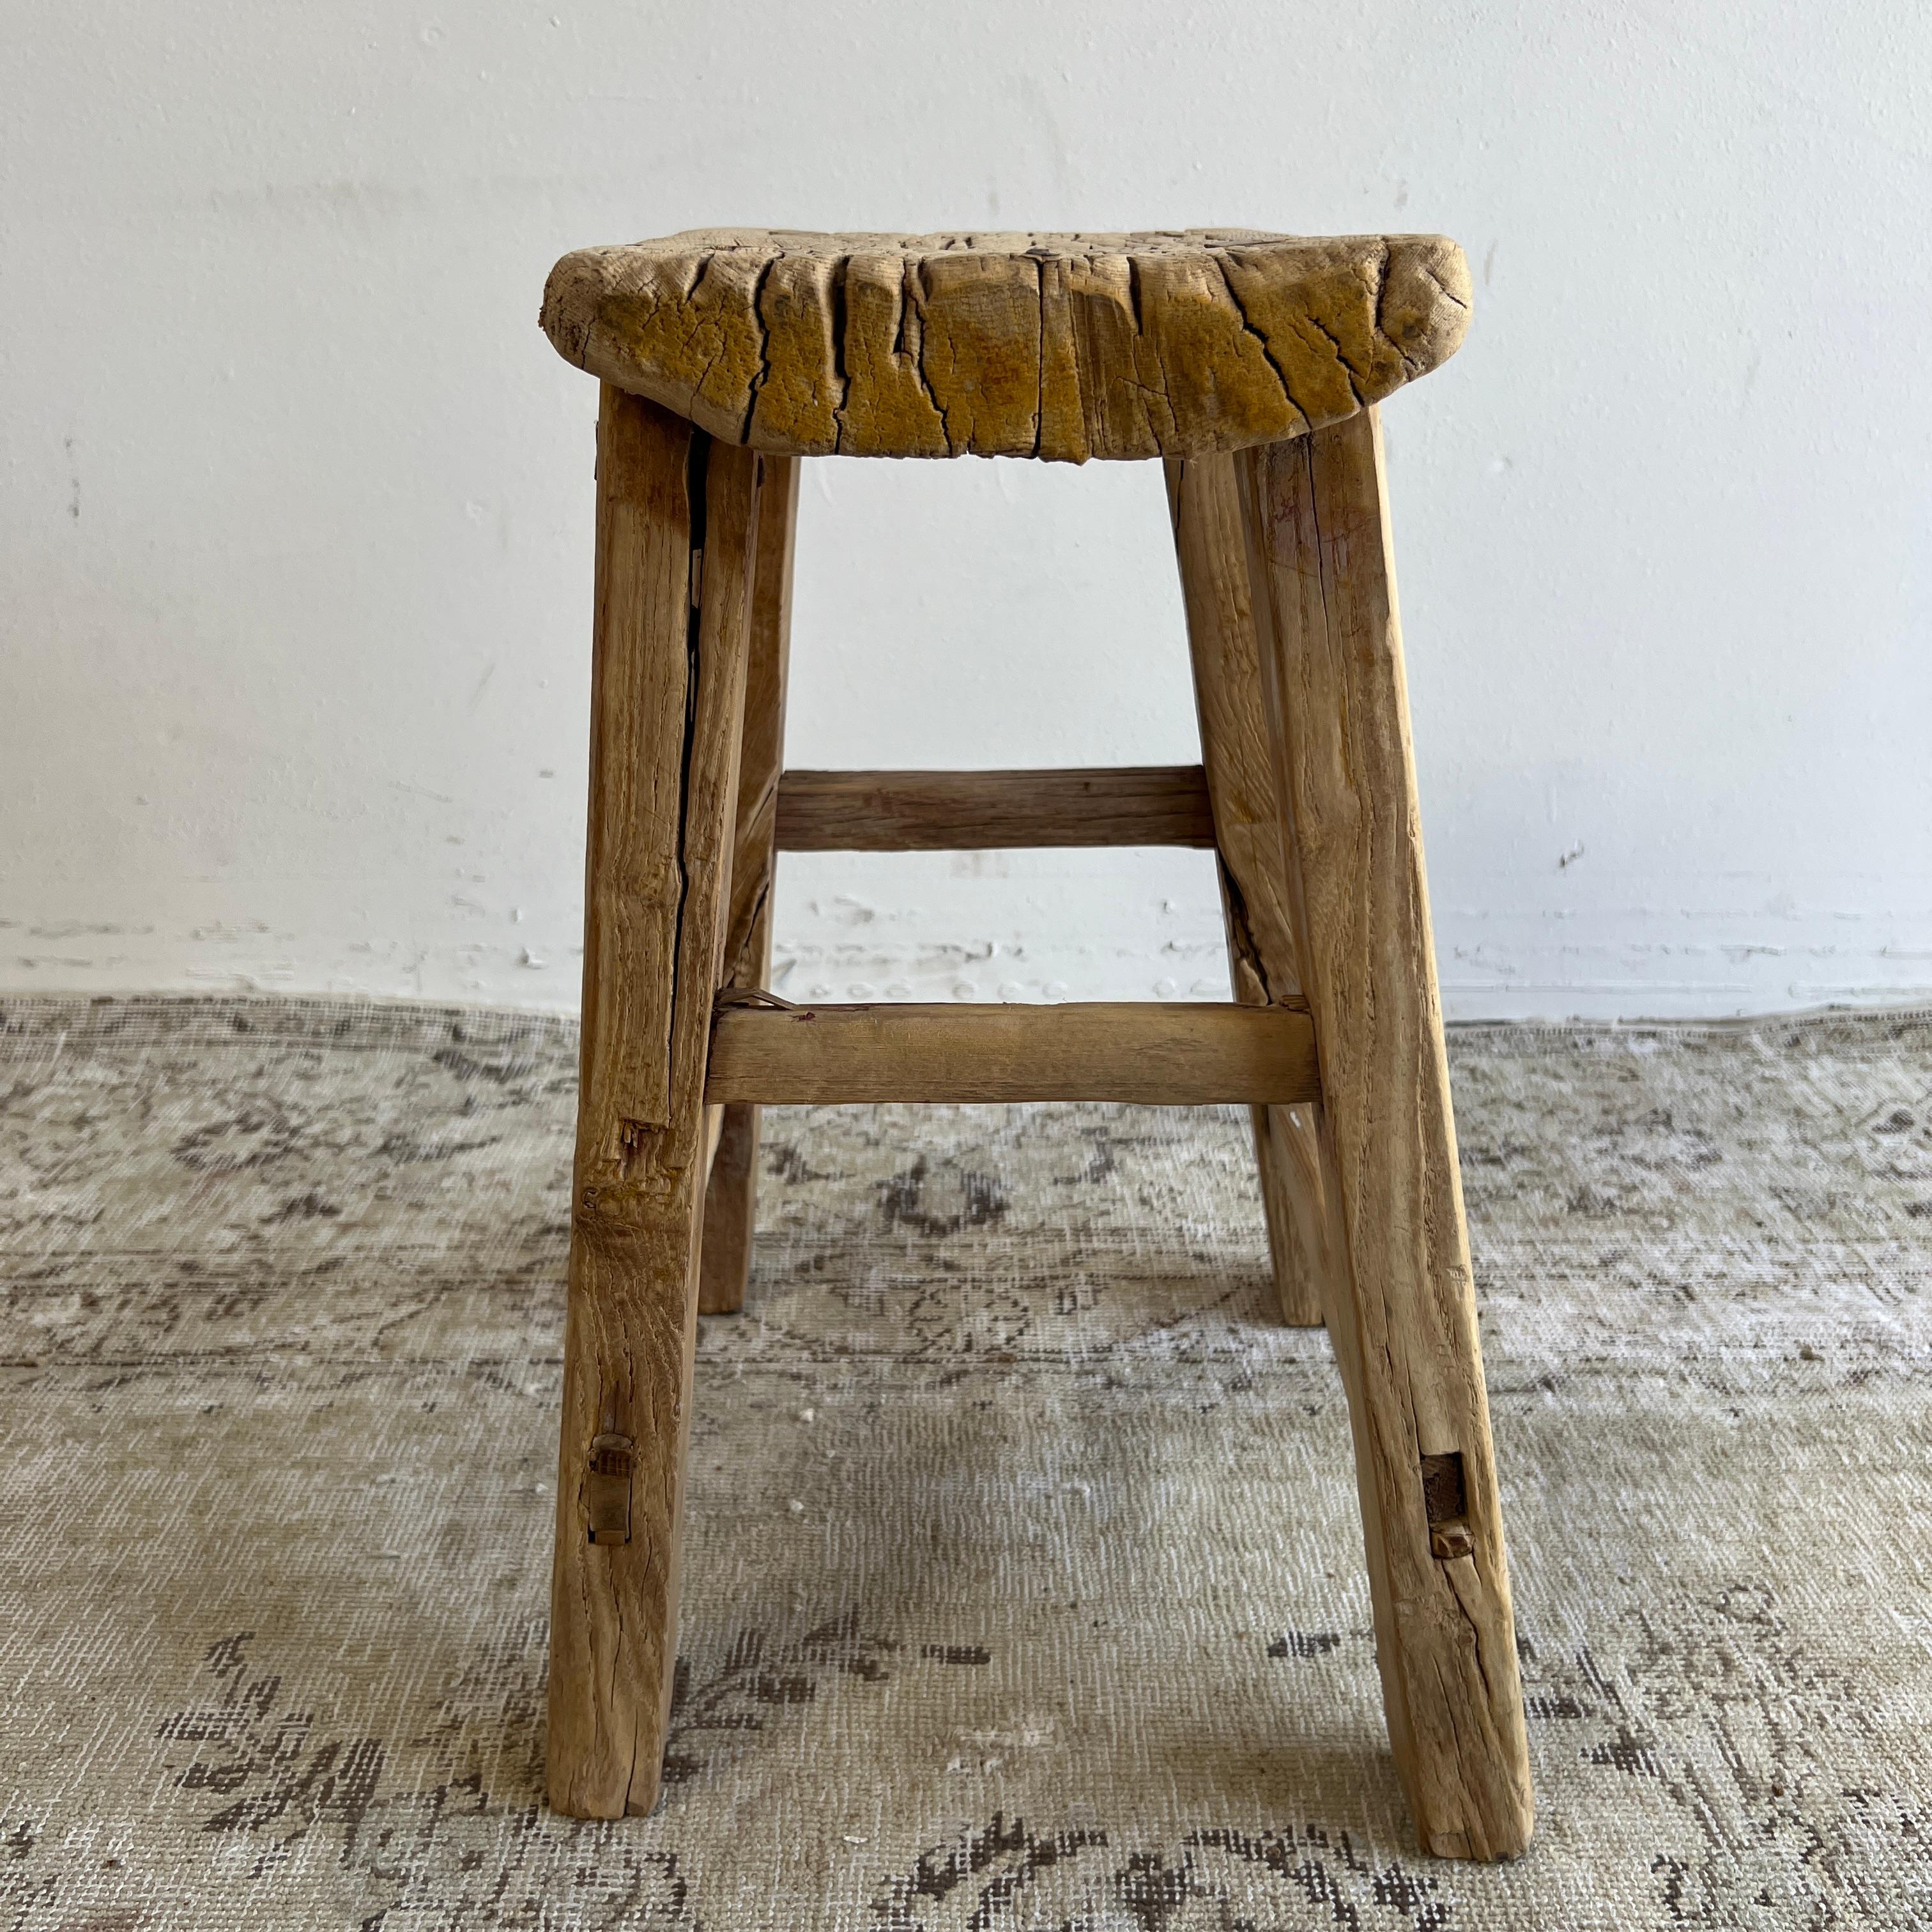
x: 1060, y: 348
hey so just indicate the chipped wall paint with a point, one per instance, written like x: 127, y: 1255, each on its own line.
x: 295, y: 528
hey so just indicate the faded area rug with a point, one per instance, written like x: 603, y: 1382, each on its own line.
x: 1025, y: 1583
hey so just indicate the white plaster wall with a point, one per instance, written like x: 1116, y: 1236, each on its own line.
x: 295, y: 515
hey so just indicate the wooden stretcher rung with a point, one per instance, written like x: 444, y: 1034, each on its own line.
x: 977, y: 812
x: 1162, y: 1055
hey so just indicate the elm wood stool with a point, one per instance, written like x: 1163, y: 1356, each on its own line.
x: 1252, y: 363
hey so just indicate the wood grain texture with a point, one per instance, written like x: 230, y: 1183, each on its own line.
x: 1402, y: 1315
x: 1181, y: 1055
x: 1238, y: 756
x: 1062, y: 346
x: 730, y: 1200
x: 969, y: 811
x: 667, y: 698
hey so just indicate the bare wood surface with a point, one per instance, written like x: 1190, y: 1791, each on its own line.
x: 1181, y: 1055
x: 730, y: 1201
x: 1402, y: 1315
x: 982, y: 812
x: 667, y: 697
x: 1061, y: 346
x: 1239, y: 760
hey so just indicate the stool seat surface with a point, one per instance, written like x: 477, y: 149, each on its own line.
x: 1177, y: 343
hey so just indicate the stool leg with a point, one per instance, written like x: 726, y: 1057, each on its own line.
x: 1402, y: 1314
x: 667, y: 693
x: 1205, y: 505
x: 730, y: 1201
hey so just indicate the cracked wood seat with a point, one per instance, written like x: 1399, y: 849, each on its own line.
x: 1253, y: 365
x: 1058, y: 346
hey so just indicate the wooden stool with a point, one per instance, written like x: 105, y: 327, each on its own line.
x: 1252, y: 364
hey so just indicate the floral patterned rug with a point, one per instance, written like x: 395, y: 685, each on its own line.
x: 1025, y: 1586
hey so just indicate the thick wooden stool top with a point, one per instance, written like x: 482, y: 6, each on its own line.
x: 1061, y: 346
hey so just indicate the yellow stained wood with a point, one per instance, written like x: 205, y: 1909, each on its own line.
x: 730, y: 1201
x: 1062, y: 346
x: 1402, y: 1314
x: 1180, y: 1055
x: 667, y: 699
x: 968, y: 812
